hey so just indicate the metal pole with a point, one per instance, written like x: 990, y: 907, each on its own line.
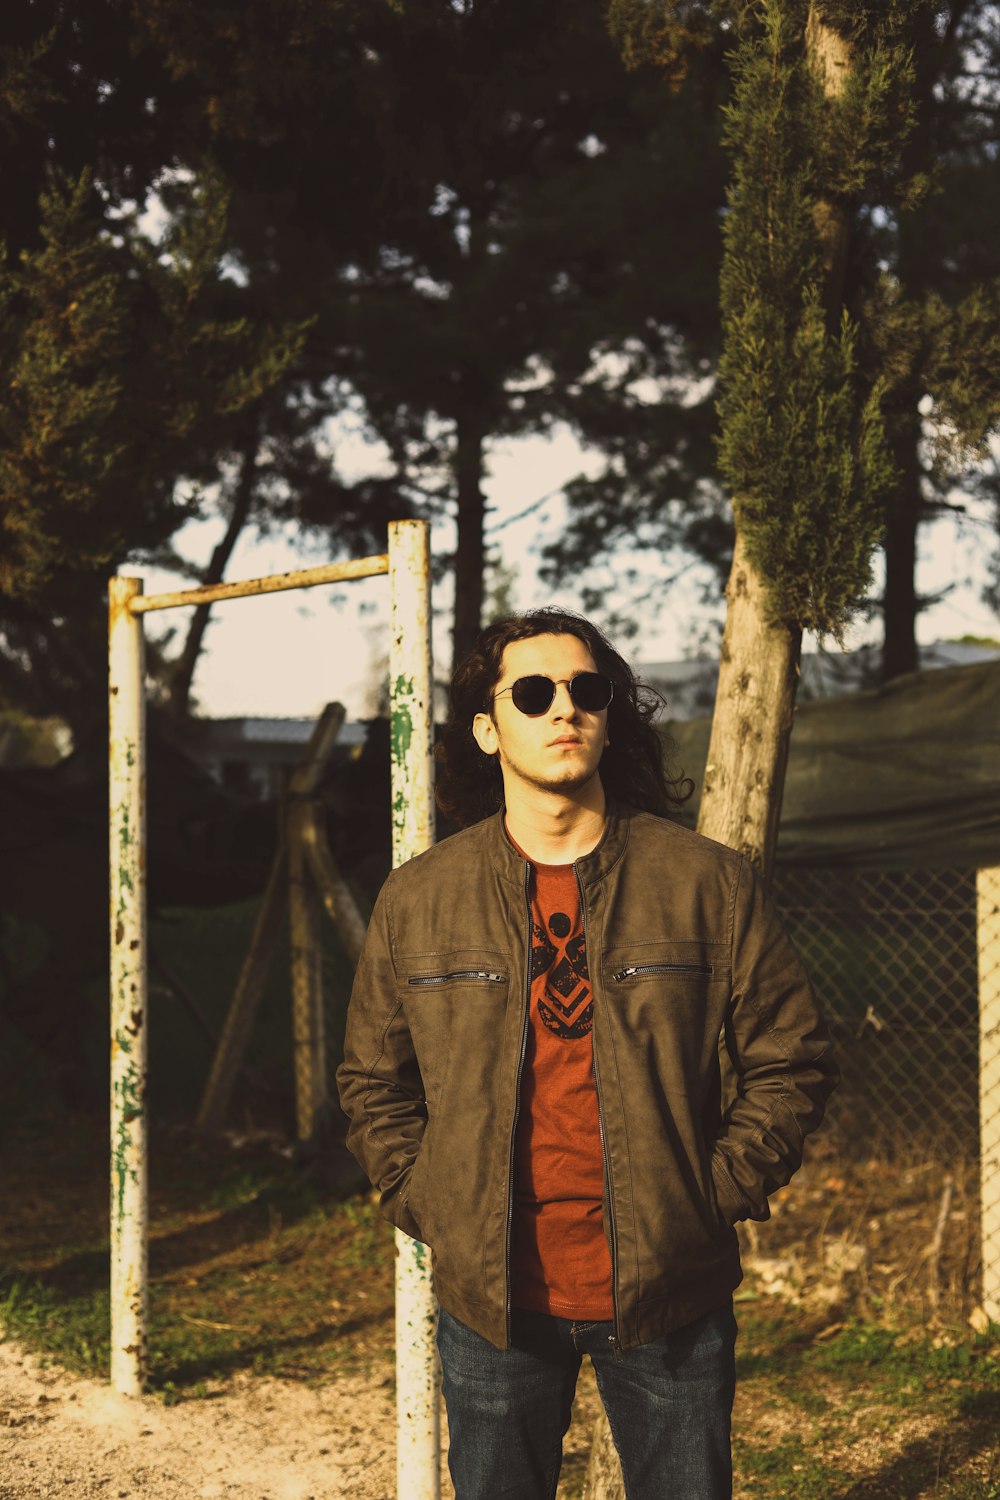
x: 274, y: 583
x: 127, y: 787
x: 988, y: 924
x: 418, y: 1441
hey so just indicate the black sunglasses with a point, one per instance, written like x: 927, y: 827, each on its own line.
x: 532, y: 695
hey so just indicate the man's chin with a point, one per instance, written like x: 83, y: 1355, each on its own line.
x: 567, y: 782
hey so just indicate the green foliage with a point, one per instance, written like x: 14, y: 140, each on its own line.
x: 64, y: 320
x: 24, y: 90
x: 803, y: 445
x: 963, y: 360
x: 666, y: 33
x: 122, y: 361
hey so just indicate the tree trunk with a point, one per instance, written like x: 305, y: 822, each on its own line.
x: 183, y: 669
x: 752, y: 722
x: 470, y: 554
x: 759, y: 666
x: 900, y: 604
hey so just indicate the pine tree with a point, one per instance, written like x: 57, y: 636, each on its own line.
x: 486, y: 226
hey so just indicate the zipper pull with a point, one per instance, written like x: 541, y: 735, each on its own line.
x: 624, y: 974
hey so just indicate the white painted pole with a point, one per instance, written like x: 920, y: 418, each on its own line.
x: 127, y: 786
x: 988, y: 925
x: 418, y: 1441
x: 274, y: 583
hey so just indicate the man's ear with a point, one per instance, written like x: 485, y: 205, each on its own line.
x: 484, y: 732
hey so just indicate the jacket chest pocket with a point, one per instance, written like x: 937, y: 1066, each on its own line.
x: 666, y: 1003
x: 651, y: 985
x: 661, y: 970
x: 455, y: 1003
x: 457, y: 976
x: 635, y: 965
x: 473, y: 970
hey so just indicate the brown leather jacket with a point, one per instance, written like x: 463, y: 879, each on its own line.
x: 683, y: 948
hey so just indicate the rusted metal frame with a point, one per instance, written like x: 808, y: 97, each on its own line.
x: 411, y: 737
x: 408, y: 563
x: 274, y: 583
x: 128, y: 975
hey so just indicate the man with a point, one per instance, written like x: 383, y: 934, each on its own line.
x: 532, y: 1073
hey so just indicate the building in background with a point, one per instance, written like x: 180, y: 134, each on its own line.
x: 689, y: 686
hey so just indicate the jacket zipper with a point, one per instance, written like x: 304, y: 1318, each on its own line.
x: 517, y: 1092
x: 616, y: 1322
x: 635, y: 969
x: 486, y: 975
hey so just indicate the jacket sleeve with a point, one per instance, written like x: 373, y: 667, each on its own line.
x: 779, y: 1052
x: 381, y: 1090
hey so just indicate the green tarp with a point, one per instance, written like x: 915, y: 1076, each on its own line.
x: 904, y: 777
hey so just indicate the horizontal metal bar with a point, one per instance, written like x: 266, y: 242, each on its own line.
x: 274, y: 583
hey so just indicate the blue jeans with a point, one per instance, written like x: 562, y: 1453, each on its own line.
x: 668, y: 1403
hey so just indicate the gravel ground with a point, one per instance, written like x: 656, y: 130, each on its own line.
x: 255, y: 1439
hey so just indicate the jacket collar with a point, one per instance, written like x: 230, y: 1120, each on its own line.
x: 591, y: 867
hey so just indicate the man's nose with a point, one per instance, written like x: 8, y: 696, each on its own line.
x: 563, y: 706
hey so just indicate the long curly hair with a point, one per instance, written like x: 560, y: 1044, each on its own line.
x: 470, y: 784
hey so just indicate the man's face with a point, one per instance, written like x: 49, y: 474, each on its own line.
x: 559, y: 750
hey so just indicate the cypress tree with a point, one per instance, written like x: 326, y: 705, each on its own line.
x: 820, y: 107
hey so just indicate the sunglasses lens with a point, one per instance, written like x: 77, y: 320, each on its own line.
x: 532, y: 695
x: 589, y: 690
x: 592, y: 692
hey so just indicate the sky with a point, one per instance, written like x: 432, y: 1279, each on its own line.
x: 289, y: 654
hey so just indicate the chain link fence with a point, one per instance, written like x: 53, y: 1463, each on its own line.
x: 907, y: 967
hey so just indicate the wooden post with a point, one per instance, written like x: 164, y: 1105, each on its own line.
x: 253, y: 974
x: 127, y: 789
x: 988, y: 927
x: 308, y: 1019
x: 308, y: 1031
x: 338, y: 899
x: 246, y: 997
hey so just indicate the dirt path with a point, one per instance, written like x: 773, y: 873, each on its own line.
x: 253, y: 1438
x: 256, y: 1439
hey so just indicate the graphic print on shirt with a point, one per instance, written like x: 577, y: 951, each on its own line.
x: 567, y: 1009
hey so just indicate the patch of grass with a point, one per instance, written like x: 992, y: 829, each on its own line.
x: 866, y: 1413
x: 253, y: 1266
x: 73, y: 1328
x: 789, y: 1467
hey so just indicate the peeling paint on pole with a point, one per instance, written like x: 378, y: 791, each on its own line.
x: 127, y: 775
x: 418, y: 1472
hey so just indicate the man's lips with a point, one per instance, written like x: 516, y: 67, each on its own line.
x: 566, y: 740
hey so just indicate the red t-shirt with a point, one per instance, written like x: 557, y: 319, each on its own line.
x: 560, y: 1260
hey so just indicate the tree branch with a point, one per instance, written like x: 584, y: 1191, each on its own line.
x: 182, y: 670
